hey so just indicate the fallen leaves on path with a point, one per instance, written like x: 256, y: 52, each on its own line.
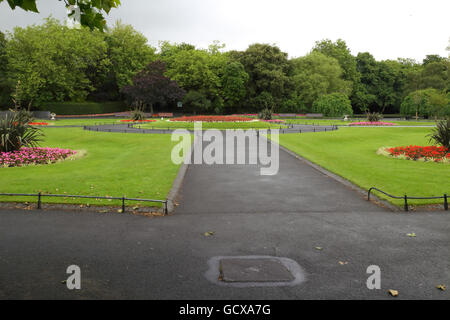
x: 343, y: 263
x: 412, y: 235
x: 393, y: 293
x: 209, y: 234
x: 442, y: 287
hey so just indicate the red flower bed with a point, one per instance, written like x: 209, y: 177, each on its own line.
x: 431, y: 153
x: 38, y: 123
x: 213, y: 119
x: 274, y: 121
x: 137, y: 120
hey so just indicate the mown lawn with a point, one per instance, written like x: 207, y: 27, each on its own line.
x: 351, y: 153
x: 134, y: 165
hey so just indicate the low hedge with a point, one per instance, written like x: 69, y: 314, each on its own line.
x: 82, y: 108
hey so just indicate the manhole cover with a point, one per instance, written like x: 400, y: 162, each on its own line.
x: 254, y: 270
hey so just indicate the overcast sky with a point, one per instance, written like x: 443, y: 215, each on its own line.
x: 386, y: 28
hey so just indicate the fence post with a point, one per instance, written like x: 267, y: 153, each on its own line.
x: 39, y: 206
x: 406, y: 203
x: 123, y: 204
x: 165, y: 208
x: 445, y: 202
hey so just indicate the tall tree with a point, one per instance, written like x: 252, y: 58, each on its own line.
x: 54, y: 63
x: 4, y: 88
x: 151, y: 87
x: 128, y: 51
x: 268, y: 68
x: 315, y: 75
x: 91, y: 11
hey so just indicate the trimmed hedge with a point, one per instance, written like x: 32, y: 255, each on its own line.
x: 83, y: 108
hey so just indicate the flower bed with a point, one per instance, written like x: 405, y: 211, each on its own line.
x: 33, y: 156
x: 428, y: 153
x: 138, y: 121
x: 38, y: 123
x: 212, y: 119
x: 378, y: 123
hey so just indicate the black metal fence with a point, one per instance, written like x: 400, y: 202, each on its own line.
x: 40, y: 195
x: 406, y: 198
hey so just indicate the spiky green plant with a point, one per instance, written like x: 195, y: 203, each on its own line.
x: 373, y: 116
x: 137, y: 114
x: 441, y: 134
x: 16, y: 133
x: 266, y: 114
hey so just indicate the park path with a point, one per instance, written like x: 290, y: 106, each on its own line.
x: 297, y: 187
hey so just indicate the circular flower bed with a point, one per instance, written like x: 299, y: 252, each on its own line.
x: 378, y: 123
x: 212, y: 119
x: 418, y: 153
x: 137, y: 120
x: 32, y: 156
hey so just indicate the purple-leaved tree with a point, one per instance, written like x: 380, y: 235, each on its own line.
x: 151, y: 86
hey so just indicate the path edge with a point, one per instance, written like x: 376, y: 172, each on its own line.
x: 374, y: 199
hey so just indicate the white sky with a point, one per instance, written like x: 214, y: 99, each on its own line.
x: 387, y: 29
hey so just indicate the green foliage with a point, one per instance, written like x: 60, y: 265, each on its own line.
x: 15, y: 132
x: 197, y: 101
x: 128, y: 52
x: 374, y: 116
x: 91, y: 12
x: 83, y: 108
x: 268, y: 68
x: 137, y: 114
x: 426, y: 103
x: 4, y: 87
x: 333, y: 105
x: 317, y: 74
x: 266, y: 114
x: 55, y: 63
x: 441, y: 134
x: 234, y: 83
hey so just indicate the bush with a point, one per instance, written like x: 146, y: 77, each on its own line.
x: 83, y: 108
x: 16, y: 133
x: 441, y: 134
x: 333, y: 105
x: 266, y: 114
x: 374, y: 116
x: 137, y: 115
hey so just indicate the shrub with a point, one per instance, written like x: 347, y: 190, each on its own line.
x: 374, y: 116
x: 137, y: 115
x: 266, y: 114
x: 333, y: 105
x: 441, y: 134
x: 16, y: 133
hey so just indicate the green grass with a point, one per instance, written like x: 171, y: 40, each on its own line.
x: 351, y: 153
x: 82, y: 122
x: 134, y: 165
x: 345, y: 123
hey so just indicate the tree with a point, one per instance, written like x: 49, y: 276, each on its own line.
x: 426, y: 103
x: 4, y: 88
x: 91, y: 11
x: 430, y: 58
x: 315, y: 75
x: 151, y: 87
x: 54, y: 63
x: 268, y: 68
x: 381, y: 84
x: 128, y: 52
x: 234, y: 83
x: 333, y: 105
x: 342, y: 54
